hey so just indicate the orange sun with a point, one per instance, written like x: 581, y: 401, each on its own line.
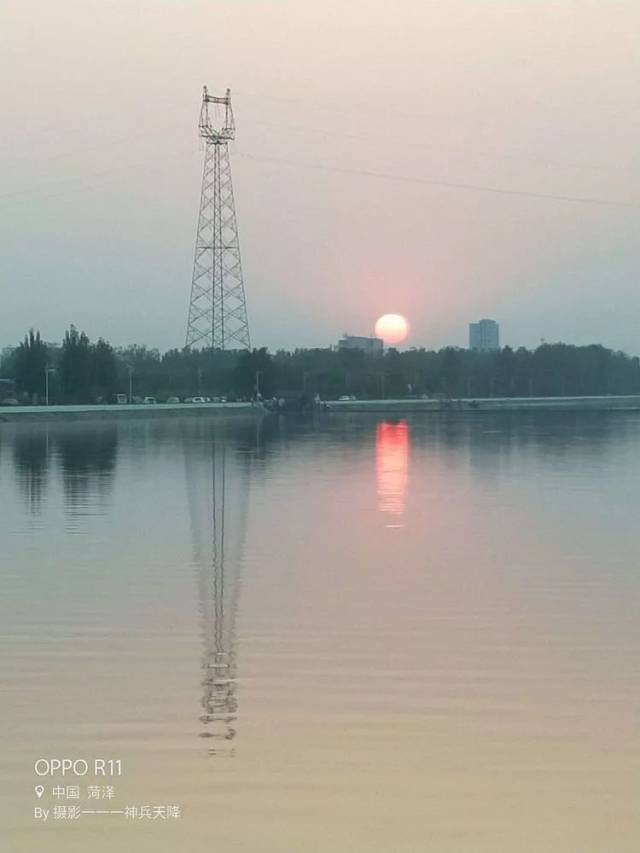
x: 392, y: 328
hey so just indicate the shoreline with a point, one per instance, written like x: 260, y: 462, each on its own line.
x: 477, y: 405
x: 470, y: 406
x: 38, y: 414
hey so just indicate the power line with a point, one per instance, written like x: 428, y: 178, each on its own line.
x: 77, y: 183
x: 401, y: 115
x: 63, y: 188
x: 435, y: 182
x: 376, y: 138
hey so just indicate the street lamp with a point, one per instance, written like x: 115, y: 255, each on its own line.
x: 47, y: 371
x: 130, y: 369
x: 258, y: 375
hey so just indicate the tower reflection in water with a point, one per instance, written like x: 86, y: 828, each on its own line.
x: 218, y: 493
x: 392, y: 470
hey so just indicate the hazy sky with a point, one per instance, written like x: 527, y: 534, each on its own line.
x: 348, y: 115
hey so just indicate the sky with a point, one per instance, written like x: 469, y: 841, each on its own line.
x: 443, y: 160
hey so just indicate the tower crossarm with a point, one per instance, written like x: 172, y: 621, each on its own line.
x: 226, y: 131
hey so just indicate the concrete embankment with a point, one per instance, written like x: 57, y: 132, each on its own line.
x: 25, y: 414
x: 492, y: 404
x: 32, y: 414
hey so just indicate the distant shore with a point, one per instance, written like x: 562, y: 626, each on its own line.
x: 491, y: 404
x: 24, y: 414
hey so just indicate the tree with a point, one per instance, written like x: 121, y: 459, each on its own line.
x: 249, y: 367
x: 505, y: 372
x: 450, y: 369
x: 29, y: 364
x: 104, y: 370
x: 75, y: 367
x: 87, y: 371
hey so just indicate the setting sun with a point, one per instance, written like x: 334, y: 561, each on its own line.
x: 392, y: 328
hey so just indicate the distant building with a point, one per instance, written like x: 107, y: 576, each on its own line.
x: 370, y: 346
x: 7, y: 388
x: 484, y: 335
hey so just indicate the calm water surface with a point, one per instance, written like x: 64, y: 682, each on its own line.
x: 346, y: 635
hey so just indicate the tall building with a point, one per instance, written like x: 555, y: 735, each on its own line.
x: 484, y: 335
x: 370, y: 346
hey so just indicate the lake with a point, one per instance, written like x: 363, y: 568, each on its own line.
x: 334, y: 635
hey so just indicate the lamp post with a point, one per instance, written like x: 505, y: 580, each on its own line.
x: 130, y: 368
x: 258, y: 374
x: 47, y: 371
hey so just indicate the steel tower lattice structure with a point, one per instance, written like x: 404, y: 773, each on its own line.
x: 217, y: 308
x: 218, y: 490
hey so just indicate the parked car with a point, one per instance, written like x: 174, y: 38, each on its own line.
x: 150, y: 401
x: 173, y: 399
x: 121, y: 399
x: 344, y: 398
x: 198, y: 400
x: 9, y: 401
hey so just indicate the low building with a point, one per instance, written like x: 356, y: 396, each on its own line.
x: 7, y: 389
x: 484, y: 335
x: 370, y: 346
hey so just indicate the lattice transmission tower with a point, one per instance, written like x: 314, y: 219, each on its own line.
x: 217, y: 308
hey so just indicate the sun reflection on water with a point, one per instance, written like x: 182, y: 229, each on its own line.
x: 392, y: 470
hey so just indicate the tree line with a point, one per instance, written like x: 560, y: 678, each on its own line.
x: 81, y: 371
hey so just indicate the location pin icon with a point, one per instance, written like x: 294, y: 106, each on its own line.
x: 39, y: 789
